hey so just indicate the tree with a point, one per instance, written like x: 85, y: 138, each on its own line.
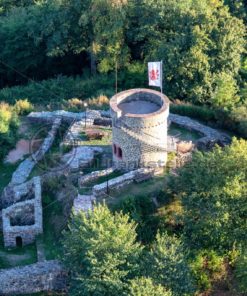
x: 166, y: 264
x: 146, y: 287
x: 7, y: 5
x: 240, y: 270
x: 238, y: 8
x: 225, y: 93
x: 214, y: 197
x: 195, y: 39
x: 8, y: 128
x: 101, y: 251
x: 109, y: 19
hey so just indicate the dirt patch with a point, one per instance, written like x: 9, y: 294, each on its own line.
x: 22, y: 148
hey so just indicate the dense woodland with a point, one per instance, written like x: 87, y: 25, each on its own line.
x: 57, y: 53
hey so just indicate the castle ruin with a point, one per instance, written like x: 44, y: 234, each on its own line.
x: 139, y: 129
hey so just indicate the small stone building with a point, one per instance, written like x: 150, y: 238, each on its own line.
x: 23, y: 221
x: 139, y: 128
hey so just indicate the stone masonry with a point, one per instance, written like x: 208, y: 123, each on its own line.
x: 44, y: 276
x: 23, y: 220
x: 210, y: 136
x: 23, y: 171
x: 140, y: 137
x: 95, y: 175
x: 121, y: 181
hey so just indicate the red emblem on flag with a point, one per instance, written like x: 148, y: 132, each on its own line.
x: 154, y: 74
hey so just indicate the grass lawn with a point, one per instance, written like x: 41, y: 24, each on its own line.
x: 17, y: 256
x: 6, y: 171
x: 52, y: 210
x: 105, y: 141
x: 150, y: 187
x: 182, y: 133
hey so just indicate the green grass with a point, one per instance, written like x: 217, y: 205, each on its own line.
x: 52, y: 243
x: 6, y: 171
x: 182, y: 133
x: 150, y: 187
x: 105, y: 141
x: 9, y: 258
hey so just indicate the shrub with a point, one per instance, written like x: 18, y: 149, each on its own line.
x: 23, y: 107
x: 5, y: 117
x: 225, y: 93
x: 234, y: 120
x: 8, y: 128
x: 99, y: 102
x: 167, y: 264
x: 239, y: 118
x: 142, y: 210
x: 207, y: 267
x: 75, y: 104
x: 197, y: 112
x: 146, y: 287
x: 55, y: 92
x: 241, y: 271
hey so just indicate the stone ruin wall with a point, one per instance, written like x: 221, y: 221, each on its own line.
x: 30, y: 225
x: 42, y: 276
x: 138, y: 135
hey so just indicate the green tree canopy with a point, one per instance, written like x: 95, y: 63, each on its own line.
x: 166, y: 264
x: 101, y: 251
x: 214, y: 196
x: 195, y: 39
x: 145, y: 287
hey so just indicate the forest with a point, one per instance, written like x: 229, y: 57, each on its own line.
x: 57, y: 54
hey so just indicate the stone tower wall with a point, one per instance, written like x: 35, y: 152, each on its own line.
x: 141, y: 137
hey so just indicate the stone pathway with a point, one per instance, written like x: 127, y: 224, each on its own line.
x: 83, y: 203
x: 80, y: 157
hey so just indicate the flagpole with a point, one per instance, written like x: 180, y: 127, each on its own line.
x: 161, y: 73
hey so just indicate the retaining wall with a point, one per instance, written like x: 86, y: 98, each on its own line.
x: 42, y: 276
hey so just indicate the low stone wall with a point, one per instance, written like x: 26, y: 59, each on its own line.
x: 210, y: 136
x: 43, y: 276
x: 95, y: 175
x: 119, y: 182
x: 66, y: 116
x: 24, y: 169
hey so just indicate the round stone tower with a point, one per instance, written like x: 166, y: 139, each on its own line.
x: 139, y: 128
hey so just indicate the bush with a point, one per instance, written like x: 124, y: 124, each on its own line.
x: 197, y: 112
x: 55, y: 92
x: 146, y: 287
x: 241, y: 271
x: 167, y: 264
x: 142, y: 210
x: 8, y: 128
x: 99, y: 102
x: 23, y: 107
x: 225, y: 93
x: 234, y: 120
x: 207, y: 267
x: 239, y: 118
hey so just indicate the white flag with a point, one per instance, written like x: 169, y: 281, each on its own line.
x: 155, y: 73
